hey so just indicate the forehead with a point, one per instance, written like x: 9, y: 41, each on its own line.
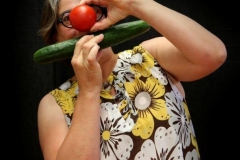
x: 67, y: 5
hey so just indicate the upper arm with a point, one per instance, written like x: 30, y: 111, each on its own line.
x: 168, y: 56
x: 52, y: 126
x: 189, y: 66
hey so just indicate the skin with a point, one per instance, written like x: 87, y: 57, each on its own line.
x: 187, y: 52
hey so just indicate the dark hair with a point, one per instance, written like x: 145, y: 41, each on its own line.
x: 48, y: 25
x: 49, y: 21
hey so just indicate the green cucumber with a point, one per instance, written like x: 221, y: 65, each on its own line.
x: 112, y: 36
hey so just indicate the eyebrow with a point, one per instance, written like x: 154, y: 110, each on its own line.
x: 64, y: 12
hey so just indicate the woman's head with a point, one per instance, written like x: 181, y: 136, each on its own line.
x: 51, y: 31
x: 53, y: 14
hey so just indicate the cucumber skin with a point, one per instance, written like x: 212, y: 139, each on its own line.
x: 112, y: 36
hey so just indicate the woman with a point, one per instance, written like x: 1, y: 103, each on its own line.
x: 129, y: 105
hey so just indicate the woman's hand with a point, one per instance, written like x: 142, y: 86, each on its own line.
x: 85, y: 63
x: 116, y: 11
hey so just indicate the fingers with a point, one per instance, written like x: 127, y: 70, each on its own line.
x: 79, y: 44
x: 116, y: 11
x: 85, y: 63
x: 86, y: 51
x: 91, y: 2
x: 92, y: 56
x: 86, y: 43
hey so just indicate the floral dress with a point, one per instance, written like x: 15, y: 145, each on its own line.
x: 147, y: 118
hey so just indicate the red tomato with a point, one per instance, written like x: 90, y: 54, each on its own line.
x: 82, y: 17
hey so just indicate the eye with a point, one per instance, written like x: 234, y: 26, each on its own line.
x: 65, y: 17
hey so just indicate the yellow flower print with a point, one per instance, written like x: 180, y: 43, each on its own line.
x: 194, y: 142
x: 165, y: 146
x: 66, y: 96
x: 111, y: 78
x: 107, y: 87
x: 115, y: 144
x: 193, y: 137
x: 105, y: 94
x: 179, y: 118
x: 123, y: 105
x: 147, y: 100
x: 192, y: 155
x: 141, y: 61
x: 186, y: 111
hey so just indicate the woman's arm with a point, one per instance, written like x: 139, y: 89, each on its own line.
x: 82, y: 140
x: 188, y: 51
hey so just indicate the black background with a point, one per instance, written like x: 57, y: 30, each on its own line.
x: 212, y: 100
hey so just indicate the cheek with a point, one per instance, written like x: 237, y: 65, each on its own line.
x: 64, y: 33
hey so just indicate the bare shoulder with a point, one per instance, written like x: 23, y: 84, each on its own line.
x: 49, y: 110
x: 47, y: 105
x: 52, y: 126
